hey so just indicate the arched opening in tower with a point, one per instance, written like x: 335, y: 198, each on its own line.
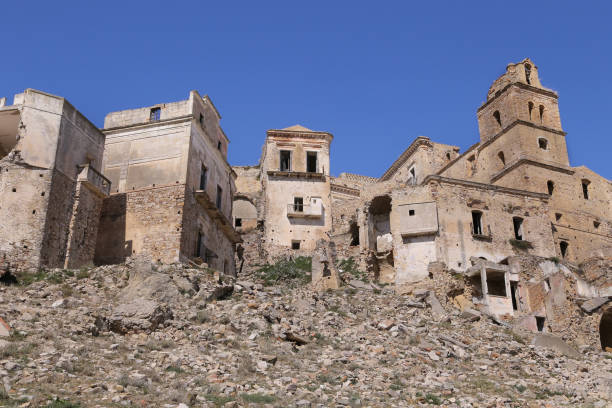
x: 9, y: 128
x: 605, y: 330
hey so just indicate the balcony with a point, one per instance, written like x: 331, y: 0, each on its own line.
x: 218, y: 217
x: 94, y: 180
x: 296, y: 175
x: 304, y: 211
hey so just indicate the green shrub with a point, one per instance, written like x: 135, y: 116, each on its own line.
x: 293, y: 271
x: 520, y: 244
x: 349, y: 266
x: 433, y: 399
x: 58, y: 403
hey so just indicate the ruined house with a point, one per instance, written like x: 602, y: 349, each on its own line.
x: 172, y: 187
x: 51, y: 190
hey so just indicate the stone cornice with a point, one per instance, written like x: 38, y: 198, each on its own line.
x: 513, y: 124
x: 419, y: 141
x: 299, y: 134
x: 345, y: 190
x: 296, y: 174
x: 525, y: 159
x: 546, y: 92
x: 144, y: 125
x: 483, y: 186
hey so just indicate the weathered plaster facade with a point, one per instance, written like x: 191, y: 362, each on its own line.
x: 172, y: 185
x: 50, y: 190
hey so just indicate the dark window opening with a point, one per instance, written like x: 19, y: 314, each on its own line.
x: 295, y: 244
x: 412, y: 176
x: 411, y: 212
x: 203, y: 172
x: 219, y: 146
x: 530, y: 106
x: 155, y: 114
x: 476, y: 222
x: 541, y: 113
x: 497, y: 117
x: 201, y: 120
x: 585, y: 189
x: 448, y: 156
x: 543, y: 143
x: 311, y: 162
x: 558, y: 216
x: 298, y: 204
x: 596, y: 224
x: 518, y: 228
x: 238, y: 222
x: 199, y: 245
x: 285, y: 160
x: 354, y: 229
x: 563, y: 245
x: 551, y: 186
x: 496, y: 283
x: 540, y: 323
x: 528, y: 73
x: 514, y: 293
x: 502, y: 158
x: 219, y: 197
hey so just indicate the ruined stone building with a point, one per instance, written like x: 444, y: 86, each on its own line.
x: 172, y: 186
x: 51, y: 190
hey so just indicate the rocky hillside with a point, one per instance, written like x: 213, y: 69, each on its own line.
x: 136, y: 335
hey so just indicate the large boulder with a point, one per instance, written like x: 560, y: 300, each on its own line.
x: 137, y: 316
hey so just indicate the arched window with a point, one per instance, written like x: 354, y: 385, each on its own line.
x: 541, y: 113
x: 585, y: 188
x: 543, y: 143
x: 530, y: 106
x: 502, y: 158
x: 497, y: 117
x: 551, y: 186
x: 518, y: 228
x: 528, y: 73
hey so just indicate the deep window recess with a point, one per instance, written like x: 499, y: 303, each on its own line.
x: 298, y: 204
x: 410, y: 212
x: 412, y: 173
x: 496, y: 283
x: 354, y: 229
x: 528, y: 73
x: 285, y: 160
x: 530, y: 106
x: 497, y: 117
x: 543, y: 143
x: 563, y: 247
x: 514, y: 293
x: 540, y: 323
x: 585, y: 189
x: 219, y: 146
x: 219, y: 197
x: 201, y: 120
x: 295, y: 244
x: 518, y: 228
x: 502, y: 158
x: 238, y: 222
x: 155, y: 114
x: 551, y: 186
x: 541, y: 113
x: 311, y: 162
x: 476, y: 222
x: 203, y: 172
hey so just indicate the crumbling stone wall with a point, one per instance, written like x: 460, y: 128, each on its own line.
x: 83, y: 229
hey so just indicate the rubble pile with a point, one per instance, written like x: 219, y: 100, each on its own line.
x: 181, y: 336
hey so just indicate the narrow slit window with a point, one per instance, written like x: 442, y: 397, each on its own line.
x: 199, y: 245
x: 497, y: 117
x: 311, y: 162
x: 476, y: 222
x: 219, y: 197
x: 530, y: 106
x: 412, y: 173
x: 518, y: 228
x: 285, y: 160
x: 219, y: 146
x: 203, y: 173
x: 563, y: 246
x: 541, y: 113
x: 585, y: 189
x: 551, y: 186
x: 201, y: 120
x: 502, y: 158
x: 528, y: 73
x: 155, y: 114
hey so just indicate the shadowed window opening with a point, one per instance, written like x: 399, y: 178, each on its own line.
x: 540, y: 322
x: 514, y: 293
x: 448, y: 156
x: 541, y: 113
x: 219, y: 146
x: 563, y: 246
x: 201, y: 120
x: 411, y: 212
x: 528, y: 73
x: 585, y: 189
x: 543, y: 143
x: 497, y: 117
x: 496, y: 283
x: 530, y: 106
x: 354, y: 230
x: 477, y: 222
x: 551, y: 186
x: 295, y: 244
x: 238, y: 222
x: 558, y: 216
x: 311, y: 162
x: 502, y: 158
x: 298, y: 204
x: 596, y: 224
x: 155, y: 114
x: 203, y: 178
x: 285, y: 160
x: 199, y: 245
x: 517, y: 222
x: 219, y: 197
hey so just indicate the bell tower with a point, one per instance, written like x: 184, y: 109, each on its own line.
x: 520, y: 118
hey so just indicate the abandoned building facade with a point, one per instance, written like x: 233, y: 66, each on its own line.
x: 156, y: 181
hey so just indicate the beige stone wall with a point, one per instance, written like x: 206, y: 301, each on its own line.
x: 83, y: 229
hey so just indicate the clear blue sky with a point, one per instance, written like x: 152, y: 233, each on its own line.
x: 375, y: 74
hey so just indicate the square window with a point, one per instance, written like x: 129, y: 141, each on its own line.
x: 298, y: 204
x: 411, y: 212
x: 295, y: 244
x: 155, y: 114
x: 238, y: 222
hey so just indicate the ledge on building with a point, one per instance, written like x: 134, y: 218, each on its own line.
x: 296, y: 174
x: 94, y: 180
x: 482, y: 237
x: 219, y: 218
x: 419, y: 232
x: 304, y: 211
